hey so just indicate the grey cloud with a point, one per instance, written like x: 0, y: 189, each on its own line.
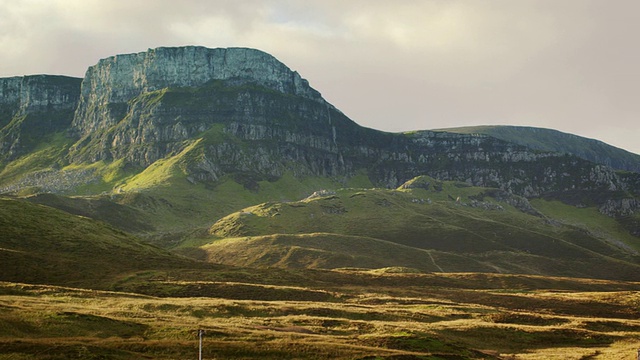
x: 569, y: 65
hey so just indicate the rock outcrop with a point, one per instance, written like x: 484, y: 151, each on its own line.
x: 620, y: 207
x: 109, y: 85
x: 39, y: 93
x: 555, y: 141
x: 32, y: 107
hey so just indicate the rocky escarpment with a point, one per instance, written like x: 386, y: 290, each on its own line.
x: 556, y: 141
x: 158, y: 123
x: 261, y: 134
x: 242, y: 113
x: 147, y: 106
x: 32, y: 107
x: 109, y: 85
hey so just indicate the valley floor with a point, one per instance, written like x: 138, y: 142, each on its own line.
x: 366, y: 316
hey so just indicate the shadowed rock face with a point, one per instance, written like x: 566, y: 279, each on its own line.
x: 32, y: 107
x: 27, y: 94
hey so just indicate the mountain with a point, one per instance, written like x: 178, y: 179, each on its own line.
x: 556, y: 141
x: 166, y: 142
x: 205, y: 105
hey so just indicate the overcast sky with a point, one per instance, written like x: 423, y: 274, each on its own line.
x: 570, y: 65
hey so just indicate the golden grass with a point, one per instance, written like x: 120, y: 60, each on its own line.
x: 46, y: 322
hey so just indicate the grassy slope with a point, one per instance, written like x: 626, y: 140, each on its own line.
x: 590, y: 219
x: 412, y: 223
x: 177, y: 207
x: 102, y: 208
x: 39, y: 244
x: 47, y: 155
x: 161, y: 200
x: 327, y: 251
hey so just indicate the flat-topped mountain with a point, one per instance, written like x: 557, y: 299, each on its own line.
x: 181, y: 137
x: 109, y: 85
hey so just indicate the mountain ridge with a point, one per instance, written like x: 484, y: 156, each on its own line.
x: 557, y: 141
x: 182, y: 137
x: 147, y: 106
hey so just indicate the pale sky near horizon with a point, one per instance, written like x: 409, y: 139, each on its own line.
x: 569, y: 65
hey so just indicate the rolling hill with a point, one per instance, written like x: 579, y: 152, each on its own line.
x: 426, y: 224
x: 42, y: 245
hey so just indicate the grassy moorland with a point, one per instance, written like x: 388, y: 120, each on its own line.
x: 382, y: 314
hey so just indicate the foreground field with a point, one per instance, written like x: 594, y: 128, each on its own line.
x: 362, y: 315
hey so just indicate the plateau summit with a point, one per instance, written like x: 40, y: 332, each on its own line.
x: 187, y: 141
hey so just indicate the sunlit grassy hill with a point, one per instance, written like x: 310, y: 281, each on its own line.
x: 440, y: 226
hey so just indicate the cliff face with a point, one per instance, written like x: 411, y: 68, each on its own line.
x: 109, y: 85
x: 38, y: 93
x: 32, y: 107
x: 155, y: 124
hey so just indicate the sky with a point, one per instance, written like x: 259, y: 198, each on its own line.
x: 569, y: 65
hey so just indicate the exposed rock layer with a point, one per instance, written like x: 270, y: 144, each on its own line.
x: 32, y: 107
x: 109, y: 85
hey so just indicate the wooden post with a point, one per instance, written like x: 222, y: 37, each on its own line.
x: 200, y: 334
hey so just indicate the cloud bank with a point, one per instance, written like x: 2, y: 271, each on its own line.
x: 570, y: 65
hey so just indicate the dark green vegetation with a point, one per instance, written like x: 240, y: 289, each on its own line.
x: 250, y: 207
x: 42, y: 245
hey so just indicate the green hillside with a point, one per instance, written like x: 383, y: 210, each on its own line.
x: 42, y: 245
x: 330, y: 251
x: 162, y: 202
x: 447, y: 227
x: 556, y: 141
